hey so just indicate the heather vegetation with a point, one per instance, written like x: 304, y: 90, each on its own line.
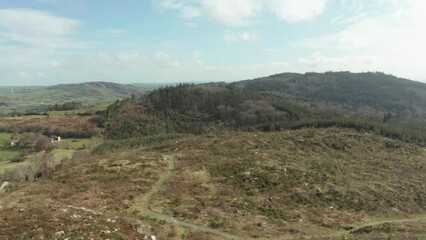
x: 66, y: 126
x: 290, y: 156
x: 297, y: 182
x: 67, y: 106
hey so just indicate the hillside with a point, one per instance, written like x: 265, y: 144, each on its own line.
x: 321, y: 183
x: 25, y: 99
x: 207, y: 108
x: 214, y: 161
x: 195, y: 109
x: 97, y: 89
x: 377, y: 91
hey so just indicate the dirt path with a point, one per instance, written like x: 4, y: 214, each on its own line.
x: 341, y: 233
x: 143, y: 204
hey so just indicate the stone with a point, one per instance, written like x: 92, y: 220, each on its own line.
x: 140, y: 230
x: 59, y: 233
x: 3, y: 186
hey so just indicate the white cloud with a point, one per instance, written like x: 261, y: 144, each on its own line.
x: 197, y: 54
x: 198, y: 57
x: 393, y: 43
x: 32, y: 41
x: 131, y: 61
x: 236, y: 37
x: 297, y: 10
x: 270, y: 50
x: 114, y: 31
x: 54, y: 64
x: 36, y: 28
x: 165, y: 60
x: 188, y: 12
x: 357, y: 63
x: 74, y: 4
x: 243, y: 12
x: 23, y: 75
x: 35, y: 23
x: 232, y: 13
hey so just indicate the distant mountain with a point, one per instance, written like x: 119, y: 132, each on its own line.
x: 23, y: 99
x: 376, y: 90
x: 97, y: 89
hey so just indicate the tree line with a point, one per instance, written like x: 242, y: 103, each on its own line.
x: 188, y: 108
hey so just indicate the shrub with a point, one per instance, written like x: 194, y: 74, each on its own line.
x: 17, y: 159
x: 15, y: 175
x: 81, y: 155
x: 44, y: 166
x: 47, y: 164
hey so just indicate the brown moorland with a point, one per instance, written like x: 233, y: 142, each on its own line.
x: 310, y: 183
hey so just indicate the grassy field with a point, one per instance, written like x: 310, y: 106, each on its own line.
x: 24, y: 99
x: 78, y: 143
x: 6, y: 152
x: 65, y: 149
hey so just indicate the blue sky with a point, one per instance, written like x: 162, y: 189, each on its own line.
x: 44, y: 42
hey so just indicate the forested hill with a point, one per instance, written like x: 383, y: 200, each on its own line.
x: 376, y: 90
x: 216, y: 107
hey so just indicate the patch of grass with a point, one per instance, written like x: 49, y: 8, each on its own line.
x: 59, y: 154
x: 78, y: 143
x: 4, y: 137
x: 7, y: 152
x: 154, y: 140
x: 11, y: 157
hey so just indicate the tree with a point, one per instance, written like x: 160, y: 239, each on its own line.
x: 43, y: 144
x: 387, y: 117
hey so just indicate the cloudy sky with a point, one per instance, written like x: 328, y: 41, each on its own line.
x: 45, y: 42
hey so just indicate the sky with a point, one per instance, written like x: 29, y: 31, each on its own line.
x: 46, y: 42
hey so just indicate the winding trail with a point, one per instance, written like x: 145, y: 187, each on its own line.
x: 338, y: 234
x: 143, y: 203
x: 341, y: 233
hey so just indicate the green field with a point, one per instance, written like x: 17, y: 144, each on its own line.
x: 78, y: 143
x: 65, y: 148
x: 28, y: 99
x: 6, y: 152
